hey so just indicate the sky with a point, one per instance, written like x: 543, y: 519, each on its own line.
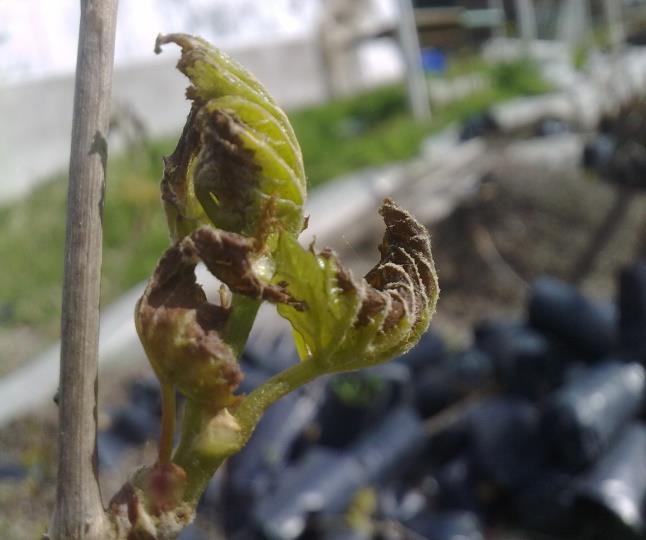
x: 38, y: 37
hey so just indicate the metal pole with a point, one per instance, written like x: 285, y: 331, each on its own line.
x: 415, y: 78
x: 614, y: 19
x: 501, y: 28
x: 526, y: 16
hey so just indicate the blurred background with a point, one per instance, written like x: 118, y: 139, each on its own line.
x: 515, y: 129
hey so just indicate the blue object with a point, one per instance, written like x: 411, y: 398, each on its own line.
x: 433, y: 60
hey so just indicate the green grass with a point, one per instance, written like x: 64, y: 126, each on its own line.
x: 33, y: 232
x: 376, y: 128
x: 336, y: 138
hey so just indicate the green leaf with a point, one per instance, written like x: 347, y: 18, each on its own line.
x: 237, y: 164
x: 349, y: 324
x: 215, y: 74
x: 329, y: 310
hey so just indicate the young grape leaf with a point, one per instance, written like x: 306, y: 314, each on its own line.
x: 237, y: 164
x: 348, y: 323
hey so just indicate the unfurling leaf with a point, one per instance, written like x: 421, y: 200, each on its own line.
x: 237, y: 164
x: 348, y: 323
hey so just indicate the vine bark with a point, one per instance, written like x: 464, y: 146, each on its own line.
x: 79, y: 513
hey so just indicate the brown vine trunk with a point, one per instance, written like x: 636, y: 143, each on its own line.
x: 79, y: 513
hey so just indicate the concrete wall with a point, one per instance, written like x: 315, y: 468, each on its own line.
x: 36, y: 117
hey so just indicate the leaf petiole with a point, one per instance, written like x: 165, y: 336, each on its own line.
x: 256, y: 403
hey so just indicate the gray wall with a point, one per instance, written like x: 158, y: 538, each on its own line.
x: 37, y: 116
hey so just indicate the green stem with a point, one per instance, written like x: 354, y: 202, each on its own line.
x: 167, y: 430
x: 208, y: 438
x: 256, y: 403
x: 199, y: 468
x: 241, y: 319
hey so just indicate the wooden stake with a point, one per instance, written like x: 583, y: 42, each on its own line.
x: 79, y: 513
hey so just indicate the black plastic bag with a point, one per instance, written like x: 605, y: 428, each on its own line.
x: 561, y: 310
x: 582, y: 418
x: 610, y: 497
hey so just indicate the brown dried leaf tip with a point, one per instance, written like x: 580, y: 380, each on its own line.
x: 406, y: 270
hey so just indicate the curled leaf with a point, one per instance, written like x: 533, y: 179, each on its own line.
x: 406, y: 278
x: 182, y: 332
x: 351, y: 323
x: 237, y: 164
